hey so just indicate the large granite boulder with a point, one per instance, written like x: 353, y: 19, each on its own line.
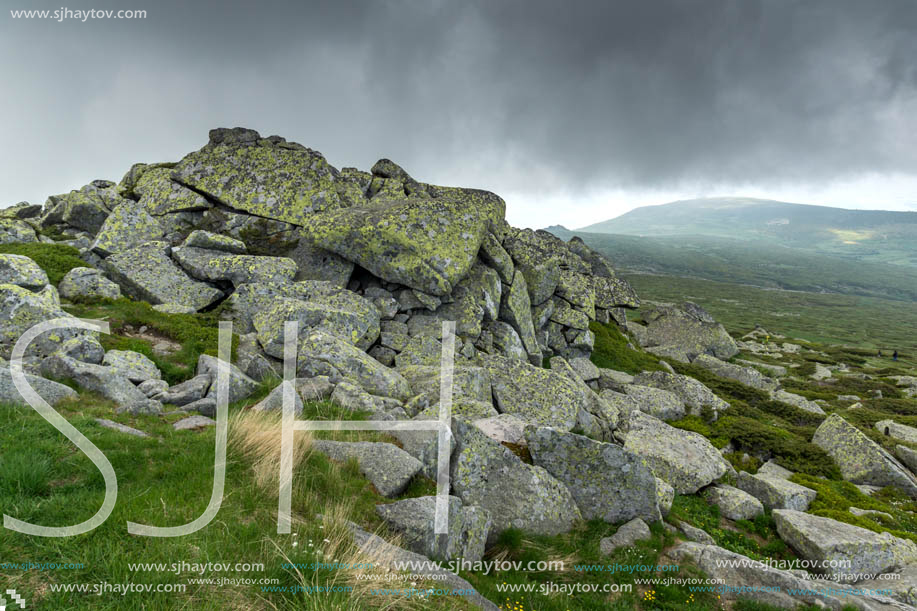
x: 87, y: 283
x: 517, y: 311
x: 428, y: 244
x: 734, y: 503
x: 775, y: 492
x: 217, y: 266
x: 901, y: 432
x: 388, y: 468
x: 129, y: 225
x: 85, y: 209
x: 687, y: 330
x: 22, y: 309
x: 488, y: 474
x: 656, y: 402
x: 13, y: 231
x: 153, y: 186
x: 100, y: 379
x: 842, y: 550
x: 22, y: 271
x: 147, y: 273
x: 536, y: 395
x: 322, y: 354
x: 749, y: 376
x: 860, y: 459
x: 683, y: 459
x: 606, y: 481
x: 413, y: 519
x: 695, y: 395
x: 537, y: 257
x: 266, y: 177
x: 50, y: 391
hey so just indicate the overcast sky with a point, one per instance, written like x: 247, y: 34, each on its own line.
x: 573, y: 111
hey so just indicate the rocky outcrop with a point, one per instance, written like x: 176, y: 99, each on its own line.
x: 686, y: 331
x: 696, y: 397
x: 413, y: 519
x: 749, y: 376
x: 733, y: 503
x: 861, y: 460
x: 775, y: 492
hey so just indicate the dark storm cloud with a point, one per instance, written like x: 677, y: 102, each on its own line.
x: 527, y: 96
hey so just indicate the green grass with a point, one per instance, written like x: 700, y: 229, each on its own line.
x: 55, y: 259
x: 611, y: 351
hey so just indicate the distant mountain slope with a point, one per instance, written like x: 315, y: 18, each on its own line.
x: 755, y: 263
x: 867, y: 235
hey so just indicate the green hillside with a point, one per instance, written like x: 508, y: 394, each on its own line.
x: 866, y: 235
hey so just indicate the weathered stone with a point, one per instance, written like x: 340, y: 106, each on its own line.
x: 626, y: 536
x: 52, y: 392
x: 684, y: 459
x: 413, y: 519
x: 533, y: 394
x: 83, y: 348
x: 585, y: 368
x: 733, y: 503
x: 665, y: 496
x: 105, y: 381
x: 148, y: 274
x: 153, y: 387
x: 85, y: 209
x: 830, y: 543
x: 345, y: 315
x: 264, y: 177
x: 13, y: 231
x: 698, y: 535
x: 352, y: 397
x: 317, y: 388
x: 388, y: 468
x: 797, y: 401
x: 467, y: 381
x: 537, y: 259
x: 609, y: 379
x: 746, y: 375
x: 689, y: 329
x: 776, y: 492
x: 611, y: 293
x: 21, y: 309
x: 121, y: 428
x: 861, y: 460
x: 214, y: 241
x: 517, y: 495
x: 772, y: 469
x: 186, y: 392
x: 132, y: 365
x: 158, y: 193
x: 695, y: 395
x: 316, y: 263
x: 656, y: 402
x: 493, y: 253
x: 565, y: 315
x: 216, y: 266
x: 324, y: 354
x: 503, y: 427
x: 22, y: 271
x: 240, y: 385
x: 252, y: 298
x: 274, y: 401
x: 901, y: 432
x: 128, y: 226
x: 907, y: 456
x: 517, y: 311
x: 606, y: 481
x: 578, y: 290
x: 205, y: 407
x: 506, y: 341
x: 426, y: 244
x: 194, y: 423
x: 86, y: 283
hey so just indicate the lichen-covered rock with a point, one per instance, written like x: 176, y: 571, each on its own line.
x: 214, y: 241
x: 127, y: 226
x: 105, y: 381
x: 578, y: 290
x: 746, y: 375
x: 194, y: 423
x: 698, y: 535
x: 251, y: 298
x: 87, y: 283
x: 536, y: 395
x: 656, y: 402
x: 797, y: 401
x: 733, y: 503
x: 20, y: 310
x: 148, y: 274
x: 860, y: 459
x: 413, y: 519
x: 506, y: 341
x: 13, y: 231
x: 901, y: 432
x: 774, y: 470
x: 684, y: 459
x: 517, y: 311
x: 564, y: 314
x: 240, y: 385
x: 50, y: 391
x: 610, y: 379
x: 216, y: 266
x: 158, y: 193
x: 426, y: 244
x: 665, y: 496
x: 626, y: 536
x: 85, y: 209
x: 314, y: 263
x: 488, y: 474
x: 352, y: 397
x: 493, y: 253
x: 132, y: 365
x: 614, y: 292
x: 606, y: 481
x: 467, y: 381
x: 585, y: 369
x: 266, y: 177
x: 538, y: 259
x: 830, y: 543
x: 907, y: 456
x: 420, y: 350
x: 322, y: 354
x: 695, y: 395
x: 274, y: 401
x: 186, y: 392
x: 344, y: 315
x: 687, y: 330
x: 776, y: 492
x: 388, y: 468
x: 22, y: 271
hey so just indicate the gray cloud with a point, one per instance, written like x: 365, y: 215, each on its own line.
x: 531, y: 97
